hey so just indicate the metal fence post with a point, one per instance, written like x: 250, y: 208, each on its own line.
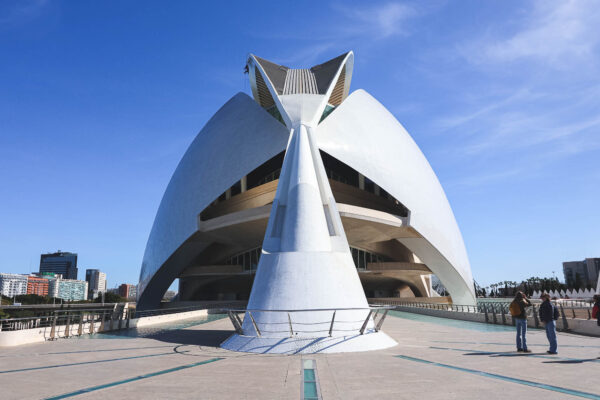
x: 101, y: 329
x: 378, y: 326
x: 564, y: 318
x: 80, y: 329
x: 53, y: 329
x: 254, y: 324
x: 68, y: 325
x: 487, y: 319
x: 364, y: 325
x: 92, y: 323
x: 292, y: 328
x: 330, y: 327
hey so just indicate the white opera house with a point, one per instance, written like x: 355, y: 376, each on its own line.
x: 304, y: 197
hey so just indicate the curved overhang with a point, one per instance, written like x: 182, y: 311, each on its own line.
x: 237, y: 139
x: 365, y: 135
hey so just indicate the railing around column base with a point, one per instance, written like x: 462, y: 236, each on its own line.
x: 377, y: 314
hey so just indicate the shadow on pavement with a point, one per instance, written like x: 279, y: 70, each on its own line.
x: 580, y: 361
x: 202, y: 337
x: 505, y: 354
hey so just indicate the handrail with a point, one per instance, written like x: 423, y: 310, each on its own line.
x: 329, y: 325
x: 501, y: 308
x: 372, y: 307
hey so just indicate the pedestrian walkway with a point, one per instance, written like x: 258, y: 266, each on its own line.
x: 435, y: 359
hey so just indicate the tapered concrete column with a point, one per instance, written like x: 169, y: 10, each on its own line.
x: 306, y: 271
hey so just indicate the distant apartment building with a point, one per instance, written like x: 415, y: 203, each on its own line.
x: 68, y: 289
x: 96, y: 282
x: 63, y: 263
x: 13, y: 284
x: 584, y: 273
x: 127, y: 291
x: 37, y: 285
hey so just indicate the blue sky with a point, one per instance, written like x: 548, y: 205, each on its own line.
x: 99, y: 100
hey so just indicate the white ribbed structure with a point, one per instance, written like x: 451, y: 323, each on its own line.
x: 300, y: 81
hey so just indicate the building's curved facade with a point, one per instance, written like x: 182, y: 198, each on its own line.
x: 210, y: 226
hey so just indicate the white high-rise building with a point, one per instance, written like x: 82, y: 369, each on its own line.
x: 67, y: 289
x: 96, y: 282
x: 13, y: 284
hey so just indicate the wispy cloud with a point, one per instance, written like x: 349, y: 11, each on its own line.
x: 544, y: 105
x: 345, y: 24
x: 556, y: 33
x: 485, y: 177
x: 376, y: 21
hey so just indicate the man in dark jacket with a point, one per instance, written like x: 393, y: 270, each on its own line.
x: 549, y: 314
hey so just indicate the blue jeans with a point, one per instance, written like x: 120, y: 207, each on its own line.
x: 521, y: 333
x: 551, y: 335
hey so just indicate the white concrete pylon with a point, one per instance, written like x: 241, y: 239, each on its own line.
x: 306, y: 271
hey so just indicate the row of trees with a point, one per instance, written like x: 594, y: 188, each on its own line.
x: 527, y: 286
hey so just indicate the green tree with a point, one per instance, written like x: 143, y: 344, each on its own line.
x: 110, y: 298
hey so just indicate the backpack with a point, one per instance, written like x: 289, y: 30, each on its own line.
x: 595, y: 311
x: 514, y: 309
x: 555, y: 313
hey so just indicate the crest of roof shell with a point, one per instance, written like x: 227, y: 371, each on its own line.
x: 296, y: 96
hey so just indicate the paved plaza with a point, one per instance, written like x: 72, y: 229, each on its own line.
x: 435, y: 359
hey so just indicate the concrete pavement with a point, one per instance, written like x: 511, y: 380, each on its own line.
x: 436, y: 359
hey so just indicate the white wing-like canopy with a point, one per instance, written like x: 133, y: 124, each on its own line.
x: 242, y: 131
x: 365, y: 135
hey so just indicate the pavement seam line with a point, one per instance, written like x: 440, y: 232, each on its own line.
x: 505, y: 378
x: 137, y: 378
x: 511, y: 354
x: 83, y: 363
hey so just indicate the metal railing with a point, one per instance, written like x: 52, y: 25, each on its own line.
x: 497, y: 312
x: 217, y: 306
x: 293, y: 326
x: 73, y: 322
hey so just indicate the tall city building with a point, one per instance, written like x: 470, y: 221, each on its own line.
x: 96, y: 282
x: 127, y: 291
x: 37, y: 285
x: 13, y: 284
x: 68, y: 289
x: 583, y: 273
x: 63, y: 263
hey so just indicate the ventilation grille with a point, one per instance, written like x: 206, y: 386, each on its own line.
x: 338, y: 91
x: 264, y: 96
x: 300, y: 81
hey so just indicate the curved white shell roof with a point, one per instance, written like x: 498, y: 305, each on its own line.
x: 238, y: 138
x: 365, y: 135
x: 360, y: 132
